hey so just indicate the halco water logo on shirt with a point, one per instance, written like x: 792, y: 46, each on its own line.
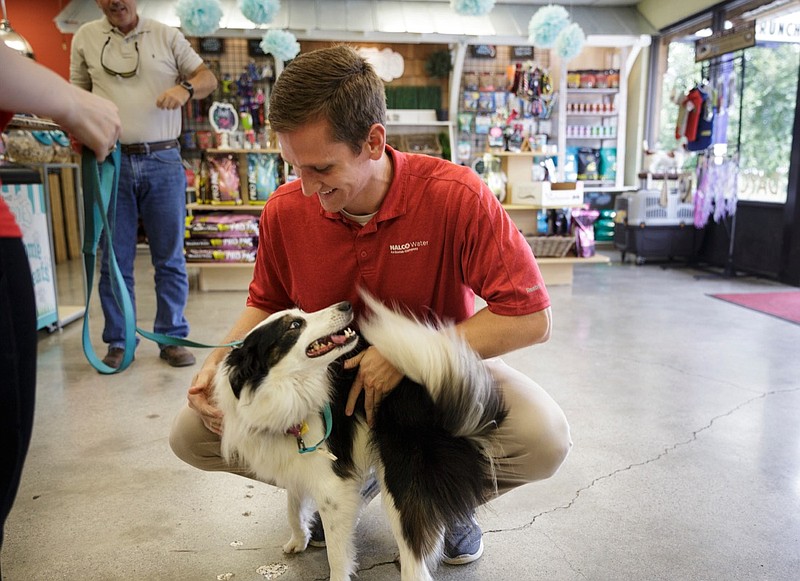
x: 407, y: 247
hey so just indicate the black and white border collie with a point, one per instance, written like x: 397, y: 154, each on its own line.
x: 285, y: 388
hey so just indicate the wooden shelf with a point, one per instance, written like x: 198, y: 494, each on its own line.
x: 534, y: 153
x: 223, y: 276
x: 529, y: 207
x: 559, y: 271
x: 254, y: 150
x: 194, y: 206
x: 593, y: 91
x: 418, y: 124
x: 604, y: 114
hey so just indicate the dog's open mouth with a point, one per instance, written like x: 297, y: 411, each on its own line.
x: 326, y: 344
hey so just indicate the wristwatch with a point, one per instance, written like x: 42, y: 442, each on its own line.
x: 188, y: 86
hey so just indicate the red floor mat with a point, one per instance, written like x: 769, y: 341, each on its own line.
x: 784, y: 305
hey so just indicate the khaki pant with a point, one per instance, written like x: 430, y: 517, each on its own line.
x: 533, y: 440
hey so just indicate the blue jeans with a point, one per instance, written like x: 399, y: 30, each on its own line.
x: 152, y: 187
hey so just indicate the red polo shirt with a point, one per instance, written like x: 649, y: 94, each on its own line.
x: 439, y: 238
x: 8, y: 225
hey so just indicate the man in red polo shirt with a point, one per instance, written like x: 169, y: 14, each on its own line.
x: 412, y: 230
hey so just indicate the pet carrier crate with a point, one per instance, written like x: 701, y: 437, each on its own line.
x: 656, y: 221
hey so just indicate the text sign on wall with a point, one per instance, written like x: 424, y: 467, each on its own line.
x: 26, y: 202
x: 784, y: 28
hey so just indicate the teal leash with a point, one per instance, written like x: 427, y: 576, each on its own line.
x: 100, y: 183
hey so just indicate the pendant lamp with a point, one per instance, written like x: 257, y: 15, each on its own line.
x: 11, y: 38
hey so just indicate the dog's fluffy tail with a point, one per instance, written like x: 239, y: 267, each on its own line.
x: 435, y: 432
x: 440, y: 359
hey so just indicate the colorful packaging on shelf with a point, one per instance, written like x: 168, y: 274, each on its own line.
x: 219, y: 255
x: 588, y: 162
x: 223, y: 225
x: 583, y: 228
x: 263, y: 176
x: 571, y: 164
x: 608, y: 164
x: 230, y: 243
x: 223, y: 179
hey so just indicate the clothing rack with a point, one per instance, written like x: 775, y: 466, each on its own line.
x: 710, y: 72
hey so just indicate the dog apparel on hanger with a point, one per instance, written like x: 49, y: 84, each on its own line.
x: 696, y: 119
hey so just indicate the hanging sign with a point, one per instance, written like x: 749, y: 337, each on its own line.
x: 483, y: 51
x: 522, y: 52
x: 212, y: 45
x: 254, y: 47
x: 736, y: 38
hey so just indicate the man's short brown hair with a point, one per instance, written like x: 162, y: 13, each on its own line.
x: 336, y: 84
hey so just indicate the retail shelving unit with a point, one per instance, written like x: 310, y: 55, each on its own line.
x: 225, y: 276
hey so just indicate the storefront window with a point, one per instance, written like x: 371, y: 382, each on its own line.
x: 763, y: 80
x: 770, y: 90
x: 681, y: 74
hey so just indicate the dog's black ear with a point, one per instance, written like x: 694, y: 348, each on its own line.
x: 251, y: 361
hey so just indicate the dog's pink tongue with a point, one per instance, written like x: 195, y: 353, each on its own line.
x: 338, y: 339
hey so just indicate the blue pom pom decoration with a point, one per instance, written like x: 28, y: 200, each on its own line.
x: 472, y: 7
x: 199, y: 17
x: 281, y: 44
x: 260, y: 11
x: 569, y: 42
x: 545, y: 25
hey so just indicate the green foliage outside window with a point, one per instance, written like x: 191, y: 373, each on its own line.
x: 770, y: 93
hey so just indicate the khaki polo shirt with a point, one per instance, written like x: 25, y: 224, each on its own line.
x: 161, y: 57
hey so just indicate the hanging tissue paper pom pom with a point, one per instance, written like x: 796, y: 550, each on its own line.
x: 259, y: 11
x: 545, y: 25
x: 570, y: 42
x: 199, y: 17
x: 472, y: 7
x: 281, y: 44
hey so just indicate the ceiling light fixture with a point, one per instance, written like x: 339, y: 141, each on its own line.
x: 11, y: 38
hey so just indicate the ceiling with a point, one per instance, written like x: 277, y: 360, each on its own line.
x: 399, y: 21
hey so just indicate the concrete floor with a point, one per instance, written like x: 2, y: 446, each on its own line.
x: 686, y: 466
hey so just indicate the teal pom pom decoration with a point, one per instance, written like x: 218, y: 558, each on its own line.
x: 545, y: 25
x: 260, y: 11
x: 199, y: 17
x: 281, y: 44
x: 569, y: 42
x: 472, y: 7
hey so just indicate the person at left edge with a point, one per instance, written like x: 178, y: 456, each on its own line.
x: 149, y: 70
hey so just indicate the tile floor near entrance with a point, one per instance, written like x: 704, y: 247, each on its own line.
x: 685, y: 415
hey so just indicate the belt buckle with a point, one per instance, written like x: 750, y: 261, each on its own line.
x: 146, y: 148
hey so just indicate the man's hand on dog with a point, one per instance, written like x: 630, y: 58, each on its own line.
x: 376, y: 377
x: 200, y: 400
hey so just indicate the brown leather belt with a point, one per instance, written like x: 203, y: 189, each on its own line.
x: 146, y: 148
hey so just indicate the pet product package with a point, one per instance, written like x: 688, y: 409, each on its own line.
x: 223, y: 180
x: 583, y: 227
x: 608, y: 164
x: 222, y: 225
x: 588, y: 164
x: 219, y: 255
x: 262, y: 176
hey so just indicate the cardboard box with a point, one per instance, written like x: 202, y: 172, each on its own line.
x: 547, y: 195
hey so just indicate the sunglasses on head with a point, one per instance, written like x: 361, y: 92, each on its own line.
x: 112, y: 72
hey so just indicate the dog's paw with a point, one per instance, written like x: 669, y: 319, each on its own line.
x: 296, y: 545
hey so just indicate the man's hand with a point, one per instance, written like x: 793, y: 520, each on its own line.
x: 376, y: 377
x: 173, y: 98
x: 200, y: 400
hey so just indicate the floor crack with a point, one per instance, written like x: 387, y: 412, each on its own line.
x: 655, y: 458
